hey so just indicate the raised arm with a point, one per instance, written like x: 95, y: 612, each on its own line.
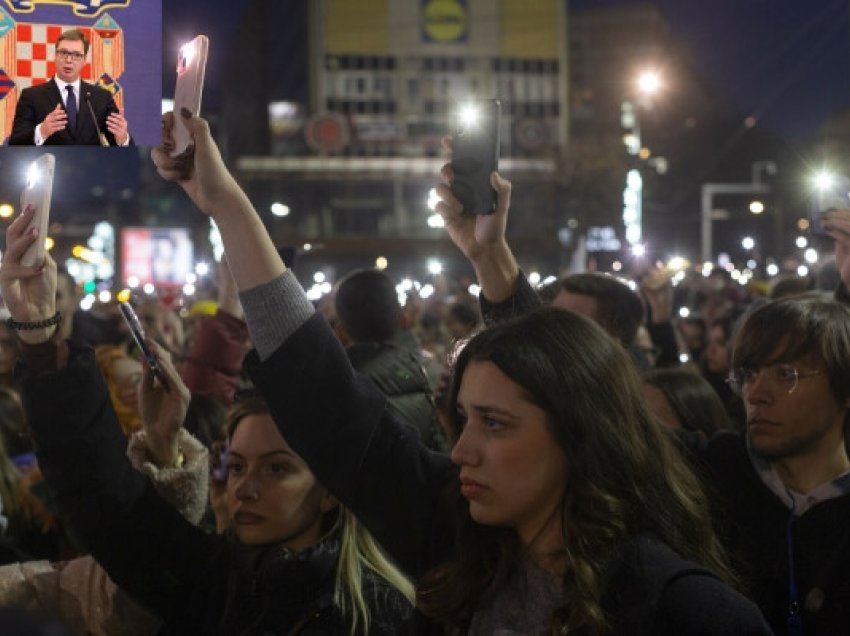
x: 481, y: 237
x: 505, y: 292
x: 203, y: 175
x: 113, y: 510
x: 336, y: 421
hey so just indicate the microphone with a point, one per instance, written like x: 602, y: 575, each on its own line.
x: 101, y: 136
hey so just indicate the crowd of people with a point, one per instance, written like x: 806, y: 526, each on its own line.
x: 576, y: 459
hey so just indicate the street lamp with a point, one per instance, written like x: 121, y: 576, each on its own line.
x: 648, y: 83
x: 709, y: 190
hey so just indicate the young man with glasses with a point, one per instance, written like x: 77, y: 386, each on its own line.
x: 66, y: 111
x: 784, y: 487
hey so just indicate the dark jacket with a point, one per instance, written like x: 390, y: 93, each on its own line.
x: 401, y: 491
x: 36, y: 102
x: 197, y: 583
x: 755, y: 525
x: 395, y: 366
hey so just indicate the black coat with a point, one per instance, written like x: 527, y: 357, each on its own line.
x: 396, y: 368
x: 197, y: 583
x: 754, y: 525
x: 36, y: 102
x: 401, y: 491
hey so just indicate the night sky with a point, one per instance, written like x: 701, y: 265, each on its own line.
x: 786, y: 62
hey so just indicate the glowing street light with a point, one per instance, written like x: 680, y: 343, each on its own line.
x: 649, y: 82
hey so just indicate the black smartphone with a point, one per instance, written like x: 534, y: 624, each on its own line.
x: 139, y: 336
x: 475, y: 154
x: 834, y: 194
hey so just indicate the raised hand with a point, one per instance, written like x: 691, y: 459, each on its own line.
x: 481, y: 237
x: 29, y: 292
x: 162, y: 411
x: 201, y: 171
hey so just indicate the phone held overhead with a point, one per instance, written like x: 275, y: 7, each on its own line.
x: 37, y: 194
x: 831, y: 192
x: 475, y: 154
x: 135, y: 326
x: 191, y: 66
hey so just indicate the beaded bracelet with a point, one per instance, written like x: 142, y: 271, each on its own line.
x: 38, y: 324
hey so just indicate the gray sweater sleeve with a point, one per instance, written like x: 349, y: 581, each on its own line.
x: 274, y: 311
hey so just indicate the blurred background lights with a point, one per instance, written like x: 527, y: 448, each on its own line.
x: 436, y: 221
x: 104, y: 296
x: 811, y: 256
x: 435, y: 267
x: 133, y: 282
x: 319, y: 277
x: 149, y: 288
x: 824, y: 180
x: 534, y: 278
x: 280, y: 209
x: 381, y: 263
x: 801, y: 242
x: 684, y: 312
x: 6, y: 210
x: 802, y: 271
x: 433, y: 199
x: 427, y: 291
x: 772, y: 269
x: 748, y: 242
x: 202, y: 269
x: 638, y: 250
x: 756, y: 207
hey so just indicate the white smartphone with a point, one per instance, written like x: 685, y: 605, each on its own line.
x: 37, y: 193
x: 191, y: 66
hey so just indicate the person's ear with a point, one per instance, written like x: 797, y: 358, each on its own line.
x: 328, y: 502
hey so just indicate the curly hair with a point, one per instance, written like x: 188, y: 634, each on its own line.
x: 624, y: 475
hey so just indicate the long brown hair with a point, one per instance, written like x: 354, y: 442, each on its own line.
x: 624, y: 476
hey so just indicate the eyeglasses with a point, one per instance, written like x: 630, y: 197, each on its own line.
x: 781, y: 374
x: 70, y: 55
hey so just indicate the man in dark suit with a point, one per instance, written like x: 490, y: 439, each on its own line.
x: 59, y: 112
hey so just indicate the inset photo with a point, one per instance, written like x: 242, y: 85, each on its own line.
x: 80, y: 72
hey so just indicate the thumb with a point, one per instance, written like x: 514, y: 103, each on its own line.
x: 197, y: 127
x: 58, y: 108
x: 503, y: 191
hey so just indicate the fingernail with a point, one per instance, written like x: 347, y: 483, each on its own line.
x: 186, y: 112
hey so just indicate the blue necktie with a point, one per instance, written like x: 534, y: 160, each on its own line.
x: 71, y: 108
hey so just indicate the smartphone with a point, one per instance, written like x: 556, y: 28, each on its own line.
x: 37, y: 193
x: 191, y: 66
x: 475, y: 154
x: 833, y: 196
x: 135, y: 326
x: 219, y: 456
